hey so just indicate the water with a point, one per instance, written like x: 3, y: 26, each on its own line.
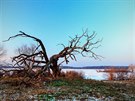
x: 89, y: 73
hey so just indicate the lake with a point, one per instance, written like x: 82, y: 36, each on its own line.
x: 89, y: 73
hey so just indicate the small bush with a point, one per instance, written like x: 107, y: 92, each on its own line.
x: 74, y: 75
x: 131, y: 68
x: 116, y: 73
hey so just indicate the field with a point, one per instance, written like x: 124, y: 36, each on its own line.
x: 69, y: 89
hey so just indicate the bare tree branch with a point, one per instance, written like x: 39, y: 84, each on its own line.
x: 36, y: 39
x: 82, y: 45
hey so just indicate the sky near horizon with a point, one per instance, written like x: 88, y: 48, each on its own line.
x: 53, y: 21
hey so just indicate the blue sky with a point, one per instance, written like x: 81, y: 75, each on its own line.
x: 54, y: 20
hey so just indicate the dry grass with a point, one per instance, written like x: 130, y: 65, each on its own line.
x: 72, y: 75
x: 20, y: 81
x: 69, y: 86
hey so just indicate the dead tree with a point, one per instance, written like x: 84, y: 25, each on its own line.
x: 82, y: 44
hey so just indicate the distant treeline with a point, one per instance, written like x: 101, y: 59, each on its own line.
x: 85, y: 67
x: 1, y: 66
x: 93, y: 67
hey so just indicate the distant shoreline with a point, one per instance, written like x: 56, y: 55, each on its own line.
x: 85, y: 67
x: 93, y: 67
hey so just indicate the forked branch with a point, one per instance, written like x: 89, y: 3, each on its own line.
x: 83, y: 44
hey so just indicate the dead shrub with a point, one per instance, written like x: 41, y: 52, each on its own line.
x: 116, y: 73
x: 74, y: 75
x: 131, y: 68
x: 110, y: 74
x: 62, y: 74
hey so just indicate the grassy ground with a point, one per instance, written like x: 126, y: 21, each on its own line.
x: 78, y: 89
